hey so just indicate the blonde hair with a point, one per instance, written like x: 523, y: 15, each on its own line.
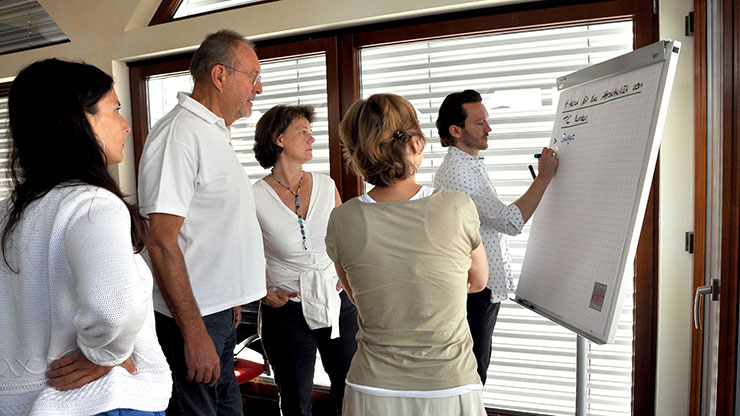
x: 375, y: 134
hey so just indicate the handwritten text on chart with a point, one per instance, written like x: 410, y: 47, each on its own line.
x: 574, y: 110
x: 567, y: 138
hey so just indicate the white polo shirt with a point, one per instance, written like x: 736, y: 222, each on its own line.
x: 189, y: 169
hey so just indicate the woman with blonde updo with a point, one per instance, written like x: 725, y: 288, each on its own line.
x: 407, y: 255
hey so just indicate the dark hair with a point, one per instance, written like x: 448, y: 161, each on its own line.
x: 52, y: 140
x: 375, y: 134
x: 271, y: 125
x: 217, y: 48
x: 452, y: 113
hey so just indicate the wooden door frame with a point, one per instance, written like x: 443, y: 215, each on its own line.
x: 730, y: 230
x: 728, y: 314
x: 700, y: 192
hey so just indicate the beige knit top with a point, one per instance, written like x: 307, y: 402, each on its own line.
x: 406, y: 263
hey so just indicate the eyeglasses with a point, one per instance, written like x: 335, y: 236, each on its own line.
x: 257, y: 79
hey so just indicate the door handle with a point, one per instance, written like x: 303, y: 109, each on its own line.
x: 713, y: 290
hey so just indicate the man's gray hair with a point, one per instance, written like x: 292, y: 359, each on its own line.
x: 217, y: 48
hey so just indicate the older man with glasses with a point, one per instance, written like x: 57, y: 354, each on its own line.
x: 205, y: 244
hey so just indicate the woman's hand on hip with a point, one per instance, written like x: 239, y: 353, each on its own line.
x: 75, y: 370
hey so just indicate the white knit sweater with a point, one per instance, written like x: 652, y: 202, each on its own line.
x: 78, y: 285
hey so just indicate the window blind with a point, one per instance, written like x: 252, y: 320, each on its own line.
x: 533, y: 365
x: 24, y: 24
x: 5, y: 145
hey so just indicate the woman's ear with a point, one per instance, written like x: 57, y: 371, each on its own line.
x: 416, y: 145
x: 278, y: 140
x: 92, y: 119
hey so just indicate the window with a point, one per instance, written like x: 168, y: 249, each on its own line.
x: 512, y: 55
x: 169, y: 10
x: 193, y: 7
x: 533, y: 364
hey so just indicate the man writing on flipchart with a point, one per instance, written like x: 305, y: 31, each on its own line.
x: 463, y: 126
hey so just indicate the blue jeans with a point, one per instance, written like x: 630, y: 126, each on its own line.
x: 130, y: 412
x: 291, y: 347
x: 482, y: 316
x: 189, y: 397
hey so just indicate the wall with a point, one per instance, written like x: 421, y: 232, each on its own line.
x: 108, y: 33
x: 676, y: 217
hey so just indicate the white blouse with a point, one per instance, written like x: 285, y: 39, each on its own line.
x: 291, y: 267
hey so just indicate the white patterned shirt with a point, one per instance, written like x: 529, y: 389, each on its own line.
x: 460, y: 171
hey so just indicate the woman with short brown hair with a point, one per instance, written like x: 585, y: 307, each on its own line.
x: 304, y: 310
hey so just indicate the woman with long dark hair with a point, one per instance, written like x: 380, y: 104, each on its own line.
x: 77, y: 321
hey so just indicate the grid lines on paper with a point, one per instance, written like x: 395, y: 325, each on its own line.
x: 580, y: 230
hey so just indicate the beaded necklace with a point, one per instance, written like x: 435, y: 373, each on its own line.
x: 297, y: 202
